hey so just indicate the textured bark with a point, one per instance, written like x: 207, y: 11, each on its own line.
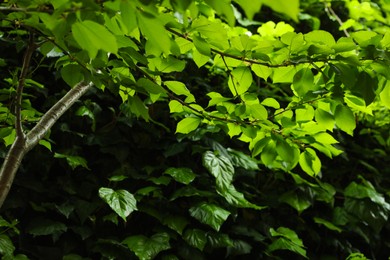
x: 23, y: 144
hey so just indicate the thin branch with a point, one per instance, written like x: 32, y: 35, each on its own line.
x: 19, y: 90
x: 329, y: 10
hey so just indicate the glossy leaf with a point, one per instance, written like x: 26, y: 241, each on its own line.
x: 147, y: 248
x: 182, y: 175
x: 196, y: 238
x: 210, y: 214
x: 121, y: 201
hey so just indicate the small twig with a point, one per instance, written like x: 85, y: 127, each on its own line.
x: 230, y: 74
x: 329, y: 10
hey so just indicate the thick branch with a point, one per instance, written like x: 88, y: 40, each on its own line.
x: 10, y: 166
x: 54, y: 113
x: 23, y: 144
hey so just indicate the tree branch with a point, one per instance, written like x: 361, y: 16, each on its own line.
x: 19, y: 90
x: 23, y: 144
x: 54, y: 113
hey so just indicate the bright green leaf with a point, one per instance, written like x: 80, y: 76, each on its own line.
x: 188, y: 125
x: 345, y: 119
x: 240, y: 80
x: 92, y: 37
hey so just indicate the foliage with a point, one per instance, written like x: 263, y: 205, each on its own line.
x: 216, y: 129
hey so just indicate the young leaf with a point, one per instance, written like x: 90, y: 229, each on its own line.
x: 188, y: 125
x: 121, y: 201
x: 92, y: 37
x: 303, y: 82
x: 153, y: 29
x: 210, y: 214
x: 201, y: 45
x: 240, y: 80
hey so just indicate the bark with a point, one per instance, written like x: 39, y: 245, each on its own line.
x: 23, y: 144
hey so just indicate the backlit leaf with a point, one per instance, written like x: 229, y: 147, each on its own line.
x: 188, y: 125
x: 92, y: 37
x: 345, y: 119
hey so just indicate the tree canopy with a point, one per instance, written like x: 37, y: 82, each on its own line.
x: 194, y: 129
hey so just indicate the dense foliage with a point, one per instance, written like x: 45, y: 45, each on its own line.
x: 214, y: 129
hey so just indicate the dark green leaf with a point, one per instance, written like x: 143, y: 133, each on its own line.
x: 210, y: 214
x: 182, y: 175
x: 148, y: 248
x: 121, y: 201
x: 196, y: 238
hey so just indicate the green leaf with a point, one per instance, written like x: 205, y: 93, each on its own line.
x: 327, y: 224
x: 182, y: 175
x: 240, y: 80
x: 283, y: 74
x: 153, y: 29
x: 177, y: 87
x: 188, y: 125
x: 72, y: 74
x: 271, y: 102
x: 199, y: 58
x: 121, y: 201
x: 224, y: 9
x: 288, y: 240
x: 321, y: 37
x: 234, y: 197
x: 288, y: 7
x: 42, y: 227
x: 303, y: 82
x: 239, y: 159
x: 196, y: 238
x: 219, y: 166
x: 201, y: 45
x: 250, y: 7
x: 166, y: 65
x: 261, y: 71
x: 296, y: 201
x: 138, y: 108
x: 304, y: 114
x: 385, y: 95
x: 210, y: 214
x: 345, y: 119
x: 309, y: 162
x: 73, y: 160
x: 6, y: 246
x: 324, y: 119
x: 92, y: 37
x: 148, y: 248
